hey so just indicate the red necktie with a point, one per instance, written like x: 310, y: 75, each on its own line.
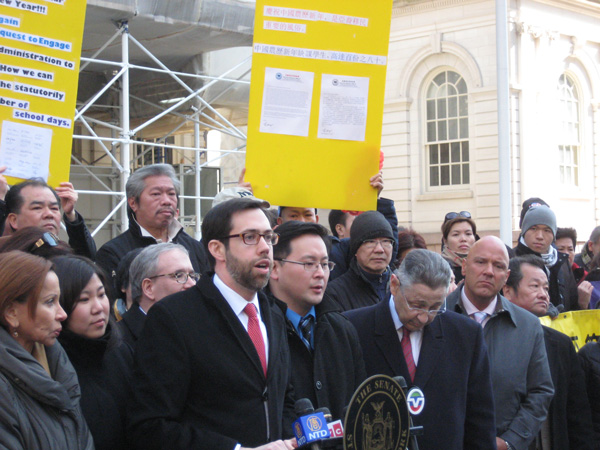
x: 256, y: 335
x: 407, y: 349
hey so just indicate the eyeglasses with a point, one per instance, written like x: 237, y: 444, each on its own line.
x: 429, y: 312
x: 46, y: 239
x: 311, y: 266
x: 454, y: 215
x: 370, y: 244
x: 252, y: 238
x: 180, y: 277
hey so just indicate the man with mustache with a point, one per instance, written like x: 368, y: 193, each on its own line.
x: 33, y: 203
x: 152, y: 197
x: 212, y: 366
x: 326, y: 356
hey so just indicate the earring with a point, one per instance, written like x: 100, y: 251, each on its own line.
x: 15, y: 334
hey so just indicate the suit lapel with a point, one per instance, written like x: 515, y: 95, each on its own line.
x: 387, y: 340
x: 431, y: 347
x: 233, y: 322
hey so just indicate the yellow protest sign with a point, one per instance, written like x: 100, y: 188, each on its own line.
x: 581, y: 326
x: 316, y: 101
x: 40, y: 47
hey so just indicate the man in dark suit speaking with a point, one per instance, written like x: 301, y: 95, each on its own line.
x: 442, y: 353
x: 212, y: 365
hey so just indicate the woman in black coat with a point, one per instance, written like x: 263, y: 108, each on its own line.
x: 102, y: 362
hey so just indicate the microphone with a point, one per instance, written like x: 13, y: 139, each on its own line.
x: 311, y: 426
x: 336, y: 428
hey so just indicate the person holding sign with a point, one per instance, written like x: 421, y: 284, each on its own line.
x: 33, y: 203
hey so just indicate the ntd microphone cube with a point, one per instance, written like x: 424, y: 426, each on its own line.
x: 311, y: 428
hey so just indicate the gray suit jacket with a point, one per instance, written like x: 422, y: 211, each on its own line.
x: 521, y: 378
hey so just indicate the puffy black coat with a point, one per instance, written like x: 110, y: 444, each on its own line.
x: 105, y: 378
x: 37, y: 411
x: 110, y: 254
x: 352, y: 290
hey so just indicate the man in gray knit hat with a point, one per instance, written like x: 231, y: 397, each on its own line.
x: 366, y: 282
x: 538, y: 232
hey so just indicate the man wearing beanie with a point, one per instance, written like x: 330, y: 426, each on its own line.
x: 372, y: 245
x: 538, y: 232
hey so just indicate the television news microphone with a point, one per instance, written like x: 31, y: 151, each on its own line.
x: 311, y: 426
x: 336, y: 428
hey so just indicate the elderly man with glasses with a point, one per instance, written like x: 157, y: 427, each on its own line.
x: 442, y: 353
x: 372, y: 243
x: 521, y: 378
x: 158, y: 271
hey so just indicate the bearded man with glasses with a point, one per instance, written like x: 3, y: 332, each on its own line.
x: 372, y: 244
x: 212, y: 365
x: 442, y: 353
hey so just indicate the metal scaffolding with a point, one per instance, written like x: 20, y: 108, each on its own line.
x: 119, y: 146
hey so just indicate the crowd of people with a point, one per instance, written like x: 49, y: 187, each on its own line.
x: 159, y: 341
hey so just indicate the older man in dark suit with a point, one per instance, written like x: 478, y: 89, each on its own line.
x: 441, y: 352
x: 569, y: 423
x: 212, y: 365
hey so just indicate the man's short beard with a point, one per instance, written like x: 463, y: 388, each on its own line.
x: 242, y: 273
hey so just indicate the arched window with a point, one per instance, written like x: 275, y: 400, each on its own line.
x: 447, y: 130
x: 569, y: 142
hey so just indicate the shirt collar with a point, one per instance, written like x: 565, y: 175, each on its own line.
x: 470, y: 308
x: 174, y: 228
x: 235, y: 300
x: 294, y: 317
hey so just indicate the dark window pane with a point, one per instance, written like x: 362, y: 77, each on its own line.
x: 462, y: 106
x: 465, y: 151
x: 462, y: 86
x: 434, y: 176
x: 441, y: 108
x: 464, y: 128
x: 453, y: 77
x: 456, y: 174
x: 466, y: 179
x: 445, y: 175
x: 453, y: 129
x: 430, y: 109
x: 431, y: 132
x: 442, y: 133
x: 452, y: 107
x: 433, y: 154
x: 440, y: 79
x: 444, y: 153
x: 455, y: 147
x: 451, y: 90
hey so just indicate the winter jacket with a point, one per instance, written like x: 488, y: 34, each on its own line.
x: 39, y: 412
x: 110, y: 254
x: 330, y: 374
x: 590, y: 359
x: 104, y: 373
x: 353, y: 290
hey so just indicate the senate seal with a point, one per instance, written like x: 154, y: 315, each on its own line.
x: 377, y: 417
